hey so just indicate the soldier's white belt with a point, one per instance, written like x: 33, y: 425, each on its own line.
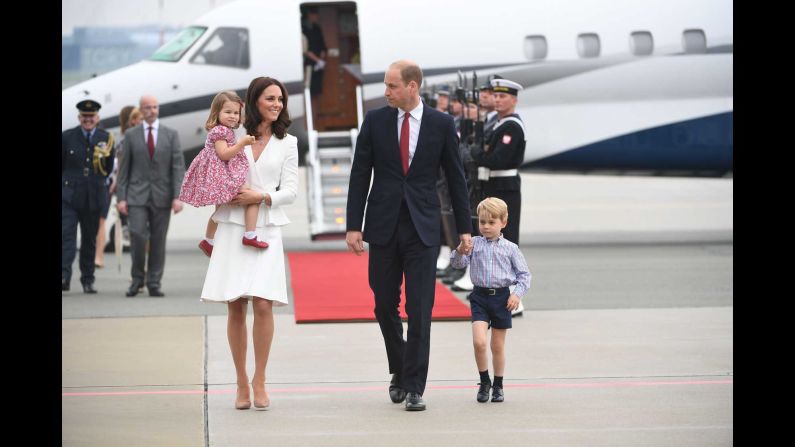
x: 486, y: 173
x: 504, y: 173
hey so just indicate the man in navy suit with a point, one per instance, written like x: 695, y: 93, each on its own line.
x: 87, y: 154
x: 402, y: 147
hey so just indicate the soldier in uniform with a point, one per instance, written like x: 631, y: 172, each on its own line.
x: 87, y: 155
x: 442, y: 100
x: 502, y: 155
x: 460, y: 279
x: 457, y: 110
x: 487, y: 108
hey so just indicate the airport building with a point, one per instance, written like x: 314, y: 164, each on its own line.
x: 92, y: 51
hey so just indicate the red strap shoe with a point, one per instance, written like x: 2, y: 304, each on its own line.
x: 206, y: 248
x: 256, y: 243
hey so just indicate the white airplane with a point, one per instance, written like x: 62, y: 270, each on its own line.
x: 617, y: 85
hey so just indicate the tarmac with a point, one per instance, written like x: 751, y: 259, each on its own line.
x: 626, y: 340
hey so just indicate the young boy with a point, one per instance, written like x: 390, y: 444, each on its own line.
x: 495, y: 263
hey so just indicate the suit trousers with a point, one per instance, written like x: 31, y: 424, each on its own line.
x: 405, y: 254
x: 148, y: 223
x: 89, y: 224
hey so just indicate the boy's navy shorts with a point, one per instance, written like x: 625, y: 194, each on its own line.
x: 489, y: 305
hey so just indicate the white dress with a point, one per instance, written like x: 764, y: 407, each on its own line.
x: 239, y: 271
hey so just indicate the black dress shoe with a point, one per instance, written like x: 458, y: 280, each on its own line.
x: 155, y: 291
x: 89, y: 288
x: 497, y: 395
x: 133, y: 290
x: 414, y: 402
x: 441, y: 274
x: 65, y: 286
x: 454, y: 276
x: 396, y: 393
x: 483, y: 392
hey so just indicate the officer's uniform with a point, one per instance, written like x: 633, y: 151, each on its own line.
x: 502, y: 156
x: 443, y: 92
x: 491, y: 117
x: 85, y: 164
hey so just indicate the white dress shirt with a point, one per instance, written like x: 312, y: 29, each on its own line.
x: 155, y: 126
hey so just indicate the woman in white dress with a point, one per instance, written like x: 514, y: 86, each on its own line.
x: 238, y: 273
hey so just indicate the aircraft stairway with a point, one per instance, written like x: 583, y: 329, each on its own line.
x: 328, y: 171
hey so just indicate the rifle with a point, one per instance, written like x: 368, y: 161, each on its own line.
x: 429, y: 97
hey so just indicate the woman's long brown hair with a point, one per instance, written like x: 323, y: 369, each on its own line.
x: 254, y: 118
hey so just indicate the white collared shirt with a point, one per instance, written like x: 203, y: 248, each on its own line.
x: 414, y: 128
x: 155, y: 126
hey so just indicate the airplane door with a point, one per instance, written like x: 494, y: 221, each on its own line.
x: 334, y: 108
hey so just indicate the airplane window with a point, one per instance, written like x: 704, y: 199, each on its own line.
x: 535, y: 47
x: 227, y: 47
x: 173, y: 50
x: 641, y: 43
x: 694, y: 41
x: 588, y: 45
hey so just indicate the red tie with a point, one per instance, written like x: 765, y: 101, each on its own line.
x: 404, y: 143
x: 150, y: 143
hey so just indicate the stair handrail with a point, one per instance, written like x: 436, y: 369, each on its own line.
x: 313, y: 162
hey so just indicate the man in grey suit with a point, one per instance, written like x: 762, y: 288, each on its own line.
x: 149, y: 180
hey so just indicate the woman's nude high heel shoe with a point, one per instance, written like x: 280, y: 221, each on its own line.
x: 243, y: 399
x: 261, y: 400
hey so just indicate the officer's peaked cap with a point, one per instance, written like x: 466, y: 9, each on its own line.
x: 88, y: 106
x: 505, y: 86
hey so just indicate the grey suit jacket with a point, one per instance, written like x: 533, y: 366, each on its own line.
x: 141, y: 177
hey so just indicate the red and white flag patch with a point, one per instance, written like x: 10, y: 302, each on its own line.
x: 506, y: 139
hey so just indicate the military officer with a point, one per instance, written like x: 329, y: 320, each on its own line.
x: 486, y: 102
x: 442, y: 100
x: 87, y: 155
x: 502, y: 155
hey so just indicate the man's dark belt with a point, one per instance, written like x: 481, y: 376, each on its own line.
x: 487, y: 291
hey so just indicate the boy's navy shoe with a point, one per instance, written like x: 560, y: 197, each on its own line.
x: 496, y: 395
x: 483, y: 392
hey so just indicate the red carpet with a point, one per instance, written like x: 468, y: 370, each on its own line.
x: 333, y: 287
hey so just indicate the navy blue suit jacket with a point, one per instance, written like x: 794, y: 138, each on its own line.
x: 82, y: 187
x: 378, y: 155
